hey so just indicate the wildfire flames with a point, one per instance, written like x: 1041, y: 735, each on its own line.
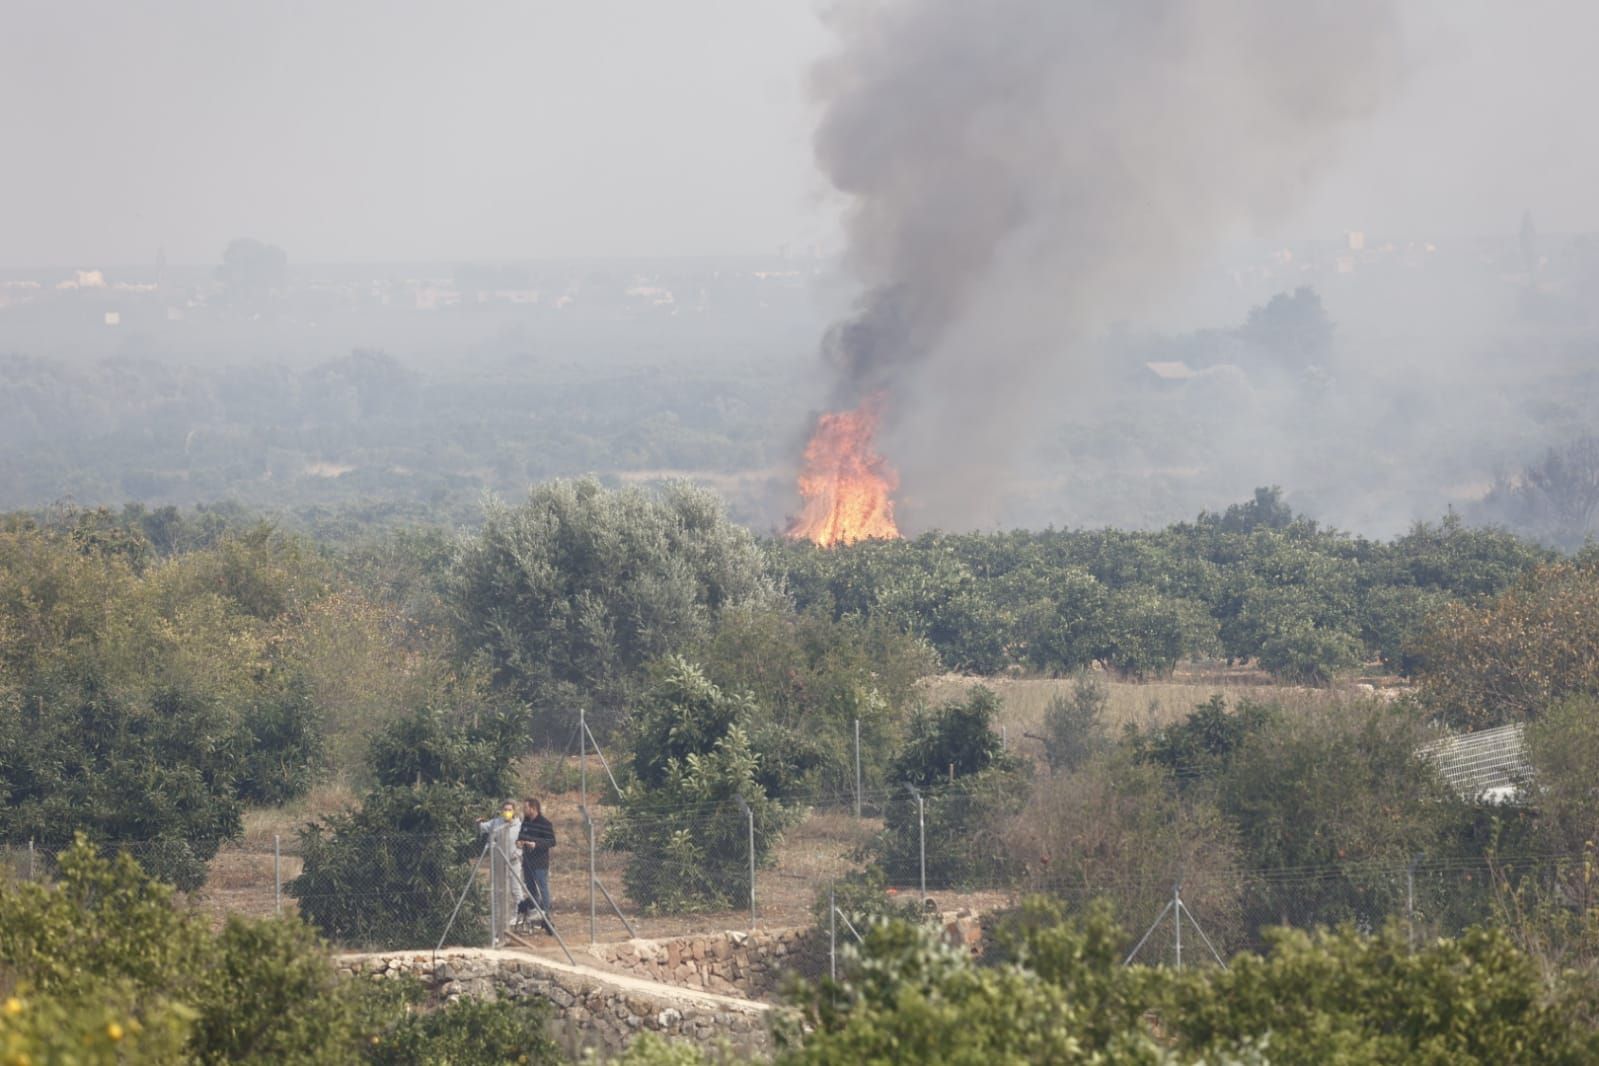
x: 846, y: 485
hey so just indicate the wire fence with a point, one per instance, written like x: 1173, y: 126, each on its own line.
x: 830, y: 858
x: 418, y: 892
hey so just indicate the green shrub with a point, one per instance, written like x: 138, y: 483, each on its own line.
x: 100, y: 921
x: 470, y: 1031
x: 1055, y: 990
x: 1339, y: 790
x: 1073, y: 725
x: 952, y: 741
x: 171, y: 859
x: 1306, y: 654
x: 812, y: 679
x: 285, y: 747
x: 1146, y: 634
x: 110, y: 961
x: 471, y: 748
x: 647, y: 1049
x: 159, y: 769
x: 389, y: 874
x: 1563, y: 747
x: 1393, y: 617
x: 271, y: 994
x: 1350, y: 999
x: 968, y: 783
x: 103, y: 1031
x: 864, y: 897
x: 908, y: 996
x: 681, y: 819
x: 571, y: 594
x: 1204, y: 744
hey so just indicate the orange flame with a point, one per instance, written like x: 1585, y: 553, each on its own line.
x: 846, y: 485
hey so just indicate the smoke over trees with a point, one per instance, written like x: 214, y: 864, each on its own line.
x: 1020, y: 174
x: 1555, y: 499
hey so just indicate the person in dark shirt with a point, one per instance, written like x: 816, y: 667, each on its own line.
x: 534, y: 840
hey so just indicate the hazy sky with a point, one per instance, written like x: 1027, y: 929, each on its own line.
x: 395, y: 129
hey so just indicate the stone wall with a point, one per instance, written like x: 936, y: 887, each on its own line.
x: 589, y: 1009
x: 734, y: 963
x: 751, y: 964
x: 698, y: 988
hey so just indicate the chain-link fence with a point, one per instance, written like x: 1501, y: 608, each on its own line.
x: 403, y: 893
x: 20, y: 862
x: 936, y: 849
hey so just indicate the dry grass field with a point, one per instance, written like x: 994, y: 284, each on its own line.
x: 820, y: 849
x: 1144, y: 704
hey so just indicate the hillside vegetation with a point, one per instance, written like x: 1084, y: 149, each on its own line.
x: 165, y: 672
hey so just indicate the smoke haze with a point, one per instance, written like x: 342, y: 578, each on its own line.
x: 1022, y: 174
x: 391, y: 254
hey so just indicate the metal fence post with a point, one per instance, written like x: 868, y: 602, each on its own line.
x: 30, y: 858
x: 594, y: 936
x: 471, y: 879
x: 857, y: 768
x: 499, y: 919
x: 277, y: 875
x: 583, y: 786
x: 749, y: 813
x: 832, y: 932
x: 921, y: 839
x: 1410, y: 900
x: 921, y: 843
x: 1177, y: 921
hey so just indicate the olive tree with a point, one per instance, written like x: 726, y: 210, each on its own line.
x: 571, y: 593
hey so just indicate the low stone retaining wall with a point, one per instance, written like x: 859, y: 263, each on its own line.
x: 590, y: 1009
x: 751, y: 964
x: 734, y: 963
x: 699, y: 988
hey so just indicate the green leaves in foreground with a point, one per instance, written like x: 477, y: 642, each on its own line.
x: 109, y: 968
x: 1054, y: 991
x: 1344, y: 998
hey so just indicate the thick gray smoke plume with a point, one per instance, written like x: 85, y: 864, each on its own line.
x: 1022, y: 173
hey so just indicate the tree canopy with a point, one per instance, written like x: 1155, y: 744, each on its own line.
x: 572, y: 593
